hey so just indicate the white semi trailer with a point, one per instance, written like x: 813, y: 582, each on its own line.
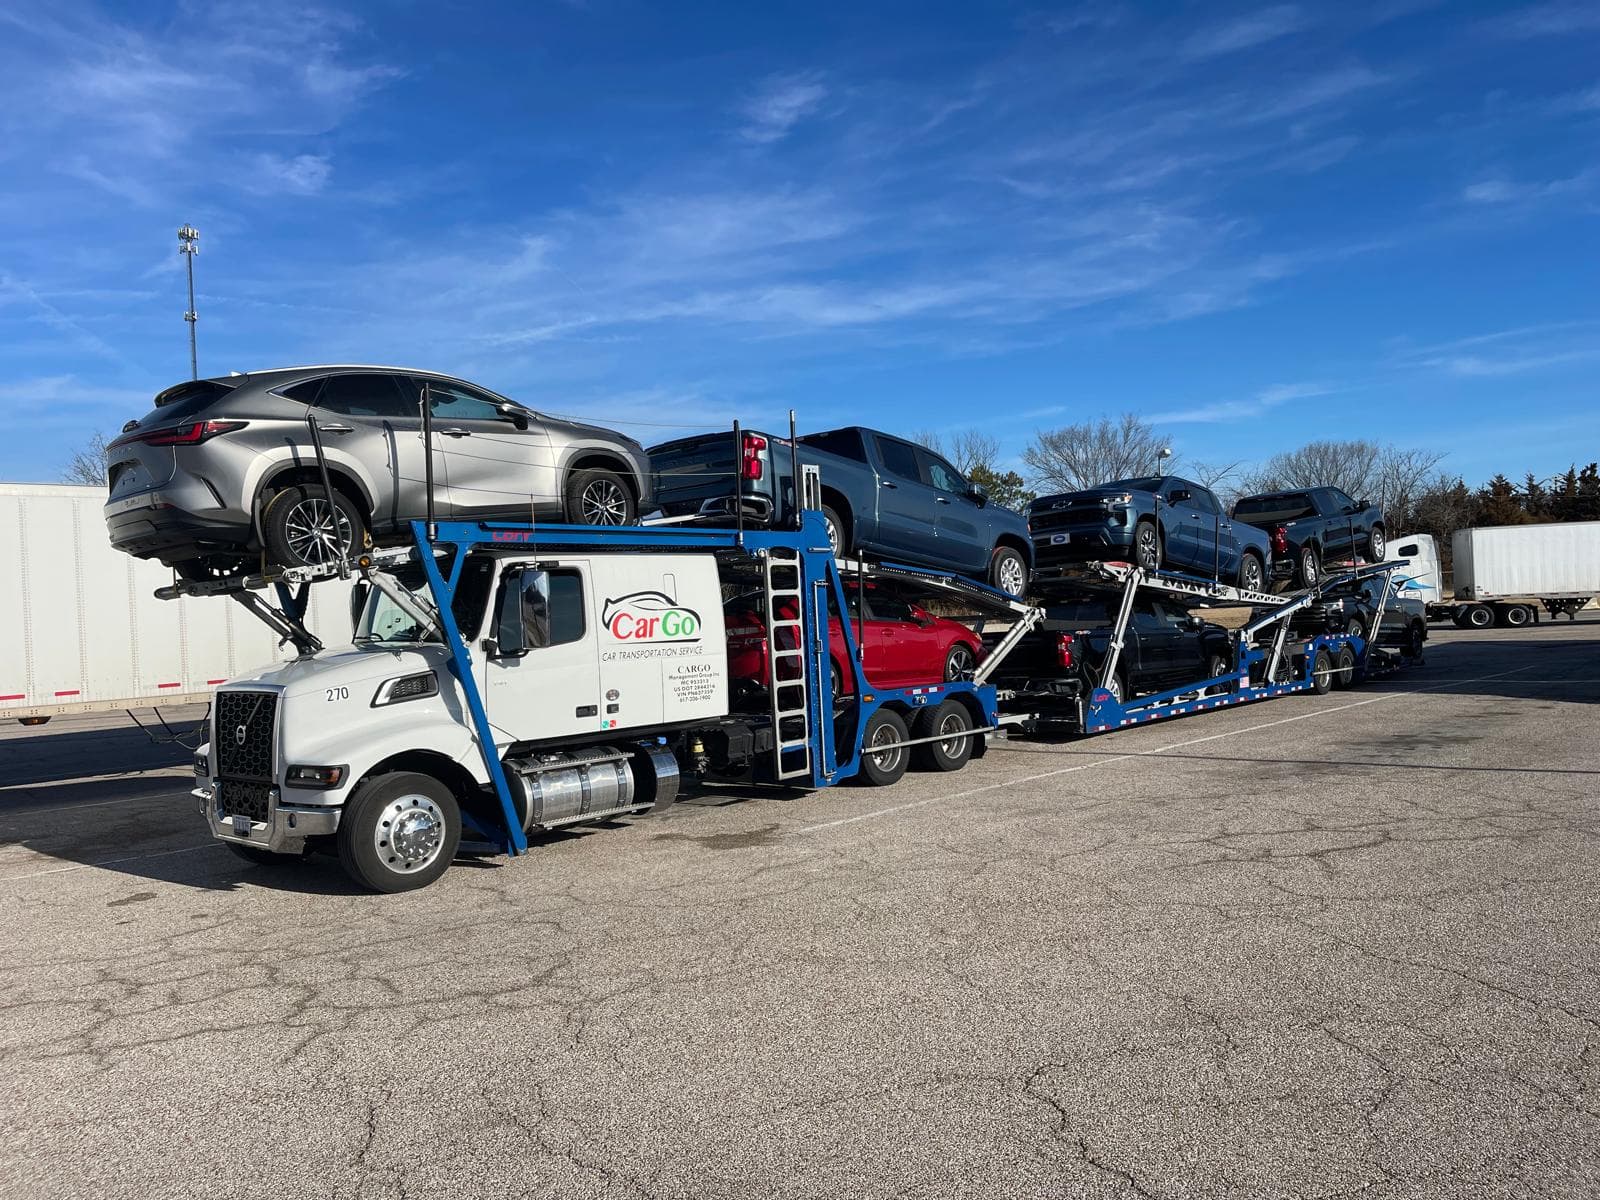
x: 1504, y: 573
x: 84, y: 632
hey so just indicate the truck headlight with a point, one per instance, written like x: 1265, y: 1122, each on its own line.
x: 406, y: 687
x: 202, y: 765
x: 314, y: 777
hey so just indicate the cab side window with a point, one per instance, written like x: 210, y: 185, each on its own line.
x: 899, y: 459
x: 548, y: 607
x: 942, y: 475
x: 364, y: 395
x: 1202, y: 499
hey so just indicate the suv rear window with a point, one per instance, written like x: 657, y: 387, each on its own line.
x: 1290, y: 506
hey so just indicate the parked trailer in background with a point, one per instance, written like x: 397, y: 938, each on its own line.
x: 84, y: 631
x: 1503, y: 573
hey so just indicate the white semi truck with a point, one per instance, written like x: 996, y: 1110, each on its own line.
x: 1503, y: 574
x: 84, y: 631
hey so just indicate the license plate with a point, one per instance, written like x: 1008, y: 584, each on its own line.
x: 1060, y: 539
x: 241, y: 825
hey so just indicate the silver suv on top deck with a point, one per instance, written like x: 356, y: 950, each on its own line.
x: 222, y: 470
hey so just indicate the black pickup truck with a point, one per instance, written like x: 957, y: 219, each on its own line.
x: 881, y: 496
x: 1312, y: 526
x: 1061, y: 660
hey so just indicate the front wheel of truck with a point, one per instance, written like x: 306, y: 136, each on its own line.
x: 399, y: 833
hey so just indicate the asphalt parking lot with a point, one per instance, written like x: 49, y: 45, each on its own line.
x: 1324, y: 946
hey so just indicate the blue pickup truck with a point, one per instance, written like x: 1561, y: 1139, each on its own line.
x: 882, y: 496
x: 1310, y: 527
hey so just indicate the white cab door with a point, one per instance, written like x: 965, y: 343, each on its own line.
x: 553, y: 689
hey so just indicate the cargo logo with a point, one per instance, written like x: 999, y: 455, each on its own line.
x: 650, y: 617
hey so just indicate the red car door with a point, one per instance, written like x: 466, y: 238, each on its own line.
x: 898, y: 647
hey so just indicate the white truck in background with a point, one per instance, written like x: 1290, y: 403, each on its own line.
x: 84, y: 631
x: 1503, y: 573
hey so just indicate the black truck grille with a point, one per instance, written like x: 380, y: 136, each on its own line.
x: 246, y: 799
x: 243, y: 735
x: 1040, y: 520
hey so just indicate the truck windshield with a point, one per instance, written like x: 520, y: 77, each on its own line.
x: 386, y: 621
x: 1289, y: 507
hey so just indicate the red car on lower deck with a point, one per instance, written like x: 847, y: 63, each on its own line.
x: 903, y: 644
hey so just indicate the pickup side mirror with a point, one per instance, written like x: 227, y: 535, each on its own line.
x: 1178, y: 495
x: 517, y: 415
x: 1194, y: 622
x: 1363, y: 503
x: 978, y: 494
x: 358, y: 603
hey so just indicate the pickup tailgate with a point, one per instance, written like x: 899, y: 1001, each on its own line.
x: 710, y: 467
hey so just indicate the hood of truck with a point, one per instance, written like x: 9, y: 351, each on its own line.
x: 346, y: 666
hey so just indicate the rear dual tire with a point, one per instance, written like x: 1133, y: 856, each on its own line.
x: 949, y: 720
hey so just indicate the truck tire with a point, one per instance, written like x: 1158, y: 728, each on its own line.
x: 399, y: 832
x: 1008, y: 571
x: 1322, y: 672
x: 1252, y: 572
x: 1516, y: 615
x: 1147, y: 547
x: 298, y: 523
x: 596, y: 496
x: 838, y: 532
x: 1344, y: 667
x: 1310, y: 566
x: 884, y: 728
x: 946, y: 720
x: 1416, y: 637
x: 1477, y: 616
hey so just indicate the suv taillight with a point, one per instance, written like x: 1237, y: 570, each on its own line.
x: 191, y: 434
x: 1280, y: 540
x: 754, y: 445
x: 1063, y: 649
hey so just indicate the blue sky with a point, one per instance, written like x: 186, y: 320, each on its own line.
x: 1257, y: 225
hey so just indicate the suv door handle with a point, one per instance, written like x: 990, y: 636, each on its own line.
x: 336, y: 429
x: 889, y: 483
x: 454, y: 432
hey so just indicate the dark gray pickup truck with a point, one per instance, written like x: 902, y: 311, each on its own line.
x: 882, y: 496
x: 1312, y: 526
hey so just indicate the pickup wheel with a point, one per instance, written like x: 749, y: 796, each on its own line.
x: 596, y: 496
x: 1416, y: 637
x: 1376, y: 544
x: 299, y: 527
x: 1310, y: 566
x: 1217, y: 665
x: 1147, y: 546
x: 399, y: 833
x: 1008, y: 571
x: 1252, y: 573
x: 885, y: 728
x: 838, y: 532
x: 947, y: 720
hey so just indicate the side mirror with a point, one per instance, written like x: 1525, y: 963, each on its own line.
x: 921, y: 616
x: 510, y: 412
x: 1363, y: 503
x: 978, y: 494
x: 508, y: 632
x: 1194, y: 622
x: 358, y: 602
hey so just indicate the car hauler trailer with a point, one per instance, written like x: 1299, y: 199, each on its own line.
x: 508, y: 679
x: 1268, y: 659
x: 1504, y: 573
x: 84, y: 631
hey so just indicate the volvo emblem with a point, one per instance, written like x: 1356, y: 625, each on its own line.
x: 239, y: 735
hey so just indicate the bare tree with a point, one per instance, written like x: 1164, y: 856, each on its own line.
x: 976, y: 455
x: 1388, y: 475
x: 88, y: 465
x: 1220, y: 478
x: 1083, y: 456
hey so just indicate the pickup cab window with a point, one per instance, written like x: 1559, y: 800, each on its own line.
x: 1284, y: 506
x: 1339, y: 502
x: 942, y: 475
x: 899, y: 459
x: 1204, y: 500
x: 846, y: 443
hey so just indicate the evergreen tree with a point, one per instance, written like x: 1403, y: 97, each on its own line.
x: 1535, y: 500
x: 1498, y: 504
x: 1588, y: 499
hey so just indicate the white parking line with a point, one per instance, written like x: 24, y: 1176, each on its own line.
x: 1105, y: 762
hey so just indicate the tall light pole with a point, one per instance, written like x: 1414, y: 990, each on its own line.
x: 1161, y: 459
x: 189, y: 246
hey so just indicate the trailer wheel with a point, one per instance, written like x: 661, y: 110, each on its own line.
x: 1518, y: 615
x: 1478, y: 616
x: 1344, y: 669
x: 884, y: 766
x: 947, y: 720
x: 1322, y: 672
x: 399, y: 833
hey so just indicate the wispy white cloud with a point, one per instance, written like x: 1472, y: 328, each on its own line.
x: 1522, y: 350
x: 302, y: 175
x: 1504, y: 191
x: 782, y: 103
x: 1242, y: 33
x: 1549, y: 20
x: 1265, y: 400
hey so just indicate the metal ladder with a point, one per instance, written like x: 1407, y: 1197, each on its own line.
x: 788, y: 672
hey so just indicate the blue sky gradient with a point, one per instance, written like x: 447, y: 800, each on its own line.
x: 1257, y: 225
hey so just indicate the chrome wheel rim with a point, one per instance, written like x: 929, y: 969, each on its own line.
x: 409, y: 834
x: 959, y: 665
x: 1377, y: 545
x: 1308, y: 566
x: 603, y: 502
x: 309, y: 531
x: 886, y: 760
x: 1146, y: 550
x: 1115, y: 688
x: 833, y: 535
x: 952, y: 724
x: 1011, y: 575
x: 1252, y: 575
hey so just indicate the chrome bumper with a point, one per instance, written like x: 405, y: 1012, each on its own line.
x: 283, y: 832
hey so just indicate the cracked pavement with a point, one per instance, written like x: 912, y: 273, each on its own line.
x: 1323, y: 946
